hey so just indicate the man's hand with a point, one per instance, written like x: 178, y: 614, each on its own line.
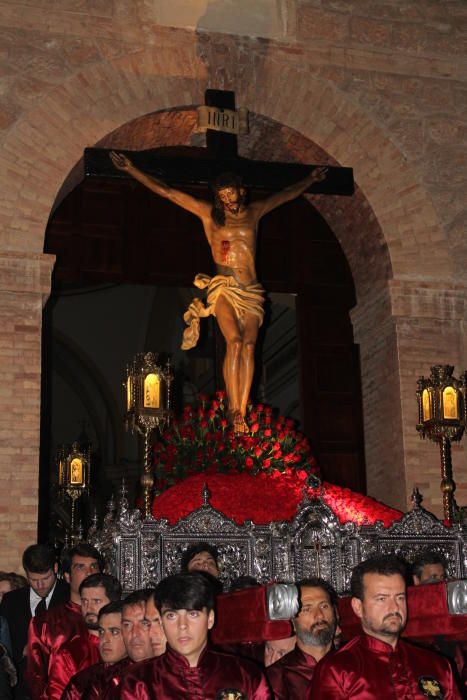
x: 120, y: 161
x: 319, y: 173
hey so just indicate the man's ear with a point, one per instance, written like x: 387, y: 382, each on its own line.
x: 356, y: 604
x: 66, y: 576
x: 416, y: 580
x: 56, y: 568
x: 211, y: 619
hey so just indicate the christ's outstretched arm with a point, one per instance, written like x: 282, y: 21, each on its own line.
x: 196, y: 206
x: 264, y: 206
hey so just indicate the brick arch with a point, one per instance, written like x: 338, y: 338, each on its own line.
x: 394, y: 213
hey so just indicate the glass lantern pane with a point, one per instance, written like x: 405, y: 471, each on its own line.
x: 427, y: 405
x: 76, y: 472
x: 128, y: 394
x: 151, y: 391
x: 450, y: 408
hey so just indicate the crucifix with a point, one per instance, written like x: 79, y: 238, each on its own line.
x: 234, y: 295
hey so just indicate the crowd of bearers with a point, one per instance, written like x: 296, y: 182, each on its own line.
x: 155, y: 643
x: 190, y: 668
x: 112, y: 653
x: 82, y: 650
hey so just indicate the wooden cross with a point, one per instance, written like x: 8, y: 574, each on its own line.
x: 221, y: 156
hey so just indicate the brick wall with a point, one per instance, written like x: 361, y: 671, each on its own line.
x: 24, y: 285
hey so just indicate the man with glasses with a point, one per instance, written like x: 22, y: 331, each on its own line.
x: 19, y: 606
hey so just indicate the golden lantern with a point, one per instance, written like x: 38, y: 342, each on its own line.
x: 74, y: 472
x: 148, y: 407
x: 442, y: 417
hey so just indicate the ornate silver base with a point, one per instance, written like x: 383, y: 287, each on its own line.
x: 140, y: 552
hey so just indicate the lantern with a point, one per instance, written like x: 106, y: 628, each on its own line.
x: 148, y: 407
x: 442, y: 418
x: 74, y: 471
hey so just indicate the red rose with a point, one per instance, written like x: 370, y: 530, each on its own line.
x: 248, y: 462
x: 276, y: 447
x: 254, y: 428
x: 203, y: 424
x: 267, y: 432
x: 211, y: 414
x: 267, y: 420
x: 258, y: 451
x: 220, y: 395
x: 259, y: 408
x: 223, y: 423
x: 266, y: 463
x: 268, y: 410
x: 215, y: 404
x: 253, y: 417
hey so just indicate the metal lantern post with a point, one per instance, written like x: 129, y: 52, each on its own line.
x: 148, y: 407
x: 442, y: 418
x: 74, y: 472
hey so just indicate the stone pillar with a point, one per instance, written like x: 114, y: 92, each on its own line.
x: 403, y: 329
x: 24, y: 288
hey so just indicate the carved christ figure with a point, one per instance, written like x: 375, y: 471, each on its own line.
x: 234, y: 295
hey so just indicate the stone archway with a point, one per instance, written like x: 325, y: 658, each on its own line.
x: 402, y: 288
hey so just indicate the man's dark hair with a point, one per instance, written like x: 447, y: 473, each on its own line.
x: 83, y: 549
x: 222, y: 182
x: 385, y: 565
x: 195, y: 549
x: 38, y: 559
x: 315, y: 582
x: 425, y: 558
x: 190, y: 591
x: 115, y: 606
x: 139, y: 597
x: 111, y: 585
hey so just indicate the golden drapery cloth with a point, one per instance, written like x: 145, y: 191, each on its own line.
x: 244, y: 300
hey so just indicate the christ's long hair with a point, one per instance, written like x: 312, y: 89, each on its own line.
x: 221, y: 182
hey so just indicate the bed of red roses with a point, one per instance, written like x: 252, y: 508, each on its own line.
x: 260, y: 476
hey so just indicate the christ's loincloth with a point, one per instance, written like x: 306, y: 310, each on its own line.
x: 244, y: 300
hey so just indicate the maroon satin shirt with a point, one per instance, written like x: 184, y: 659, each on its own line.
x: 81, y: 680
x: 170, y: 676
x: 366, y: 668
x: 77, y: 654
x: 290, y: 676
x: 105, y: 686
x: 47, y: 633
